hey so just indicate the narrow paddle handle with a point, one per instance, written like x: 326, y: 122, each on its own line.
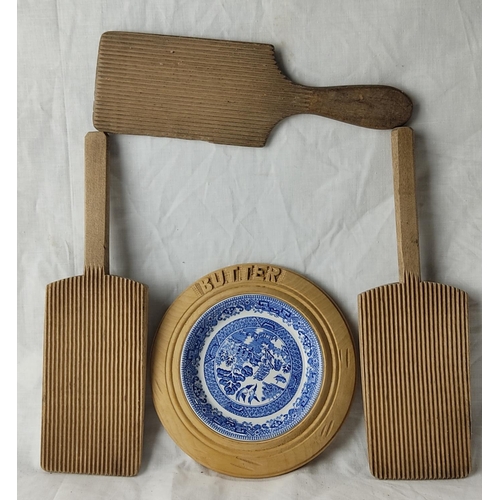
x: 370, y: 106
x: 403, y: 164
x: 96, y: 202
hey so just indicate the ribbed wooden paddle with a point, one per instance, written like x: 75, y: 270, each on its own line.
x: 94, y: 351
x: 219, y: 91
x: 414, y: 356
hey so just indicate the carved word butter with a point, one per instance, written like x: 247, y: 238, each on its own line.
x: 234, y: 274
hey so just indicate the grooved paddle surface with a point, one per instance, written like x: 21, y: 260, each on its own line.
x: 94, y: 375
x: 415, y: 370
x: 212, y: 90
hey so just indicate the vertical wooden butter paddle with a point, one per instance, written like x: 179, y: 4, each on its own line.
x: 94, y: 351
x: 414, y: 351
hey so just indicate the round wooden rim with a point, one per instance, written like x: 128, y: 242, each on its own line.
x: 309, y: 437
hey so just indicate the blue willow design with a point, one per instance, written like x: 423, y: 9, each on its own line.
x: 252, y: 367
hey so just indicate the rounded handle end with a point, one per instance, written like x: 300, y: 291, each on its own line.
x: 370, y: 106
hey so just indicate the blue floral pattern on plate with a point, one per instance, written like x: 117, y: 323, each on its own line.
x: 251, y: 367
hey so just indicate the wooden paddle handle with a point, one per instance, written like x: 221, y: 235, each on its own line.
x: 370, y: 106
x: 96, y: 202
x: 403, y: 163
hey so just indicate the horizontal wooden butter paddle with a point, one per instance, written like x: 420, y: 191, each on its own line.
x: 414, y: 347
x: 219, y: 91
x: 94, y: 351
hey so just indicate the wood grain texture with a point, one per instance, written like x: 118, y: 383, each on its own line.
x: 219, y: 91
x: 405, y: 202
x: 286, y: 452
x: 414, y: 349
x: 94, y: 353
x: 96, y: 202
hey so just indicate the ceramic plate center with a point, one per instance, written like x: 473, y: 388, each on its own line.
x: 251, y: 367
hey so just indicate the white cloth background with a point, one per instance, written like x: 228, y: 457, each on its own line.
x: 317, y: 199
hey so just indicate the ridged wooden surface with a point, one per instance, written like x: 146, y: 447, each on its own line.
x: 94, y: 375
x: 414, y: 351
x: 218, y: 91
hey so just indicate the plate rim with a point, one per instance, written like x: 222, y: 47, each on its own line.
x: 297, y: 446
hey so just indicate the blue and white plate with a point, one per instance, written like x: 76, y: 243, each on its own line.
x: 251, y: 367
